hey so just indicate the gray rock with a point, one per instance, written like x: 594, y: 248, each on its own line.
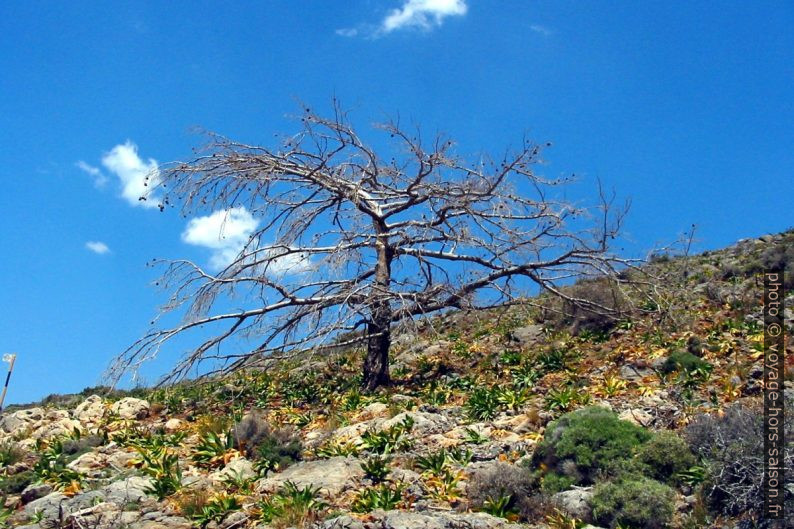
x: 90, y: 410
x: 34, y: 492
x: 49, y: 506
x: 21, y: 419
x: 131, y: 408
x: 576, y: 502
x: 635, y: 373
x: 439, y: 520
x: 529, y: 335
x: 333, y: 476
x: 342, y: 522
x: 637, y: 416
x: 424, y: 423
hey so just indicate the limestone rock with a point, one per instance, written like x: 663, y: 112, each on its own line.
x: 91, y: 410
x: 529, y: 335
x: 637, y: 416
x: 131, y: 408
x: 34, y: 492
x: 576, y: 502
x: 333, y: 476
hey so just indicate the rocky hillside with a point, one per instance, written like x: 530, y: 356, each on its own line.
x: 506, y: 419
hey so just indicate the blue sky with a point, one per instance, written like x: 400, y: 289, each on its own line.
x: 685, y: 107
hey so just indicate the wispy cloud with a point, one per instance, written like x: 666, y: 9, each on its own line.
x: 100, y: 179
x: 347, y: 32
x: 421, y: 14
x: 98, y: 247
x: 543, y: 30
x: 137, y: 177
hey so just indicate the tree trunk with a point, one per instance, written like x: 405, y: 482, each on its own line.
x: 376, y: 364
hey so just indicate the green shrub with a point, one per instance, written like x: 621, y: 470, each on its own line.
x: 684, y: 361
x: 633, y: 502
x: 664, y: 457
x: 587, y: 443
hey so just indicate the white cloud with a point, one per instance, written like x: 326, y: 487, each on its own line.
x: 137, y: 177
x: 98, y: 247
x: 347, y: 32
x: 225, y: 232
x: 543, y: 30
x: 423, y: 14
x: 100, y: 179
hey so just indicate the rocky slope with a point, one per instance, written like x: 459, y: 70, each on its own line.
x: 495, y: 420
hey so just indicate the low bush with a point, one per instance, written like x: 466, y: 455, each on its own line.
x: 684, y: 361
x: 10, y: 454
x: 503, y: 489
x: 273, y: 448
x: 664, y: 457
x: 731, y: 448
x: 16, y: 483
x: 633, y: 502
x: 586, y: 444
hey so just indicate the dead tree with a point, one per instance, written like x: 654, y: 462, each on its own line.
x: 374, y: 241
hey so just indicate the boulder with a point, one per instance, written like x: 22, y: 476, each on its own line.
x: 90, y: 411
x: 637, y: 416
x: 333, y: 476
x: 55, y: 423
x: 131, y: 408
x: 21, y: 419
x: 527, y: 336
x: 424, y: 423
x: 575, y: 502
x: 173, y: 425
x: 35, y: 491
x: 439, y: 520
x: 240, y: 467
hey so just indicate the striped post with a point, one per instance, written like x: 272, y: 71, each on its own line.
x: 10, y: 358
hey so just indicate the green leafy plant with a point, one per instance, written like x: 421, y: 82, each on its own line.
x: 237, y: 482
x: 385, y: 497
x: 472, y: 436
x: 512, y: 398
x: 564, y: 398
x: 336, y: 447
x: 500, y: 506
x: 51, y: 467
x: 391, y: 439
x: 524, y: 377
x: 376, y: 468
x: 553, y: 360
x: 291, y: 506
x: 164, y: 470
x: 216, y: 509
x: 212, y: 448
x: 483, y: 404
x: 433, y: 463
